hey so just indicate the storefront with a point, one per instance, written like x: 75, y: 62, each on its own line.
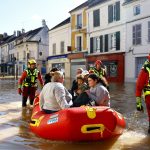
x: 114, y: 65
x: 61, y: 62
x: 77, y: 61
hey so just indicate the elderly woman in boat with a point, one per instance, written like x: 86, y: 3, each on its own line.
x: 54, y: 96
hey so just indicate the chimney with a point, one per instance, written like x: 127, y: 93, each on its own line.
x: 14, y: 33
x: 43, y: 23
x: 18, y: 33
x: 5, y: 35
x: 23, y: 30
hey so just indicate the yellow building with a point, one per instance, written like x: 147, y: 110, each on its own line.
x: 79, y: 28
x: 78, y: 38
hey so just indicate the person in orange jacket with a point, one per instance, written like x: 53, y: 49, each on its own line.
x: 143, y: 86
x: 27, y: 84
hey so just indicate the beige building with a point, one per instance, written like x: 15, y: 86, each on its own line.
x: 15, y: 50
x: 59, y: 46
x: 32, y: 44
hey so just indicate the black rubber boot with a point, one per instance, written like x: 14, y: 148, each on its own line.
x: 24, y: 101
x: 31, y: 101
x: 149, y: 128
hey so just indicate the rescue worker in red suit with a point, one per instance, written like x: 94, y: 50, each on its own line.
x: 27, y: 84
x: 100, y: 70
x: 143, y: 87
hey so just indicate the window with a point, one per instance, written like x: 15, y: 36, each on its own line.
x: 96, y: 44
x: 137, y: 34
x: 28, y: 55
x: 114, y: 41
x: 79, y: 21
x: 79, y: 43
x: 24, y: 55
x: 114, y: 12
x: 17, y: 55
x: 54, y: 49
x: 149, y: 31
x: 137, y: 10
x: 32, y: 54
x: 62, y: 47
x: 139, y: 61
x: 96, y: 18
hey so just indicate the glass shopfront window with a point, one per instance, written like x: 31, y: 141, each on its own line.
x: 60, y: 66
x: 111, y: 68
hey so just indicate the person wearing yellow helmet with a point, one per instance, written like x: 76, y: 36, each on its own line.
x: 27, y: 84
x: 32, y: 64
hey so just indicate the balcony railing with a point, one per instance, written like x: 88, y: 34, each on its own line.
x: 79, y: 26
x: 79, y: 48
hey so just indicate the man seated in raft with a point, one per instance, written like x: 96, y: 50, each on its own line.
x: 54, y: 96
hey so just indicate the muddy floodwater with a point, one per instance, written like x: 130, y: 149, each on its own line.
x: 15, y: 133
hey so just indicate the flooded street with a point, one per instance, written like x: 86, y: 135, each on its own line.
x: 15, y: 133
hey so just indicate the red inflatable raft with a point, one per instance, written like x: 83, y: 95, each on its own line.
x: 77, y: 124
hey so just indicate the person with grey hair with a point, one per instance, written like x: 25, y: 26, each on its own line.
x: 54, y: 96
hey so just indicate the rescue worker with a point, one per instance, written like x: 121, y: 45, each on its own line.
x: 27, y: 84
x: 100, y: 72
x: 143, y: 87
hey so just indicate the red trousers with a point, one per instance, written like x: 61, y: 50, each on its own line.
x: 28, y: 92
x: 147, y: 101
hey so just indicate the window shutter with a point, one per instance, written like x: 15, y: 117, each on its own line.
x: 106, y: 43
x: 101, y: 43
x: 133, y: 35
x: 91, y: 45
x: 110, y: 13
x: 117, y: 11
x: 118, y: 40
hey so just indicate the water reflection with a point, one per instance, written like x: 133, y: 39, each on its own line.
x: 15, y: 132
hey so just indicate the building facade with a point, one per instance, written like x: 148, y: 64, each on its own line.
x: 32, y: 45
x: 18, y: 48
x: 4, y: 53
x: 106, y: 36
x: 78, y: 38
x: 59, y: 47
x: 137, y: 16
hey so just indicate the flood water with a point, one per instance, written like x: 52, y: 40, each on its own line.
x: 15, y: 133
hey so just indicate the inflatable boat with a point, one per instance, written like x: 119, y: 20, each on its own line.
x: 77, y: 124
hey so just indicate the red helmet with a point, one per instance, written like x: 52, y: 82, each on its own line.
x: 98, y: 62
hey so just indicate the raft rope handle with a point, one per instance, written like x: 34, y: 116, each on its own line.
x: 93, y: 128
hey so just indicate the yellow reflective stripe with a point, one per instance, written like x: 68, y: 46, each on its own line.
x: 32, y: 75
x: 146, y: 93
x: 32, y: 78
x: 19, y: 86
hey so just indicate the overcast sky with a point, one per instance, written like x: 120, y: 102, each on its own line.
x: 28, y: 14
